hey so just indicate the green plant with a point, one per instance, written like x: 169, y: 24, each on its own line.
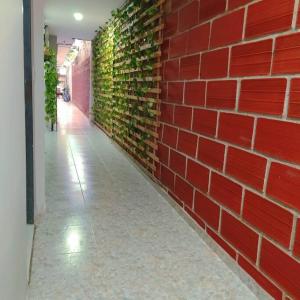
x: 51, y: 81
x: 126, y: 103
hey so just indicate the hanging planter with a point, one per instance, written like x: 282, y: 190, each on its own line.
x: 51, y: 81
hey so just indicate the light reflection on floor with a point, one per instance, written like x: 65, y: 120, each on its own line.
x: 108, y: 233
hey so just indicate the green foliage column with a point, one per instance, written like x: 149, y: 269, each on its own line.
x: 51, y: 81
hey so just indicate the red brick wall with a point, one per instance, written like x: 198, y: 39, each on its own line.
x: 81, y: 71
x: 230, y: 137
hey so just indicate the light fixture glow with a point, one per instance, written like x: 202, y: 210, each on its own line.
x: 78, y: 16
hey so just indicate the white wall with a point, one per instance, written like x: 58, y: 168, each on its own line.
x: 13, y: 236
x: 38, y: 105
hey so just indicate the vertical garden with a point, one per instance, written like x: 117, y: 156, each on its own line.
x: 126, y: 78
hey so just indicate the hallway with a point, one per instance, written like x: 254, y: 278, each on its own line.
x: 109, y: 234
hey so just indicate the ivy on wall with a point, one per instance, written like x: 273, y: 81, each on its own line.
x: 126, y: 77
x: 51, y: 81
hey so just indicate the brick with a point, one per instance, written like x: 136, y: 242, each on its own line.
x: 226, y: 192
x: 188, y: 15
x: 221, y: 94
x: 227, y: 29
x: 268, y: 16
x: 286, y: 55
x: 164, y: 91
x: 269, y: 218
x: 167, y: 113
x: 175, y: 92
x: 197, y: 175
x: 187, y: 143
x: 297, y: 240
x: 177, y: 163
x: 222, y: 243
x: 283, y: 269
x: 170, y: 136
x: 171, y: 70
x: 184, y: 191
x: 294, y: 104
x: 214, y: 64
x: 284, y: 184
x: 183, y: 116
x: 251, y: 59
x: 246, y: 167
x: 165, y: 49
x: 260, y: 278
x: 167, y: 177
x: 163, y: 154
x: 278, y: 139
x: 205, y: 122
x: 195, y: 217
x: 178, y: 3
x: 211, y: 153
x: 178, y: 45
x: 236, y: 129
x: 198, y: 38
x: 236, y: 3
x: 177, y: 200
x: 189, y: 67
x: 171, y: 21
x: 195, y: 93
x: 211, y: 8
x: 239, y: 235
x: 207, y: 210
x: 263, y: 96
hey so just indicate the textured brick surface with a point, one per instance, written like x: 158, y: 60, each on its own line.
x: 286, y: 56
x: 240, y: 235
x: 294, y: 106
x: 281, y: 267
x: 246, y: 167
x: 197, y: 175
x: 270, y: 218
x: 220, y: 35
x: 214, y: 64
x: 205, y: 121
x: 260, y: 279
x: 284, y: 184
x: 268, y: 16
x: 236, y: 129
x: 278, y: 139
x: 221, y: 94
x: 195, y: 93
x: 230, y: 129
x: 207, y: 210
x: 187, y: 143
x: 251, y: 59
x: 211, y: 153
x: 264, y: 96
x: 226, y: 192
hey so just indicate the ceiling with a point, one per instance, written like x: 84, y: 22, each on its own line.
x: 59, y: 17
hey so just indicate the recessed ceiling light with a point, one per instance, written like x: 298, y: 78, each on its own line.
x: 78, y: 16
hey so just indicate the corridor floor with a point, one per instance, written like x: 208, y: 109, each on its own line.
x: 109, y: 234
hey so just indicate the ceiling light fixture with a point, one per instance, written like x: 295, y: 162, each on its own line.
x: 78, y: 16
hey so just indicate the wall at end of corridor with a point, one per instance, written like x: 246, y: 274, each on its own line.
x: 81, y: 74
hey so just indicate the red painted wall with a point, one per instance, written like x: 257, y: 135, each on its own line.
x: 229, y: 144
x: 81, y: 71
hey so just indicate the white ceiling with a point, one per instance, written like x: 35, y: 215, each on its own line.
x: 59, y: 17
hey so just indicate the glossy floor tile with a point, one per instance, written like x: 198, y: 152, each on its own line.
x: 108, y: 233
